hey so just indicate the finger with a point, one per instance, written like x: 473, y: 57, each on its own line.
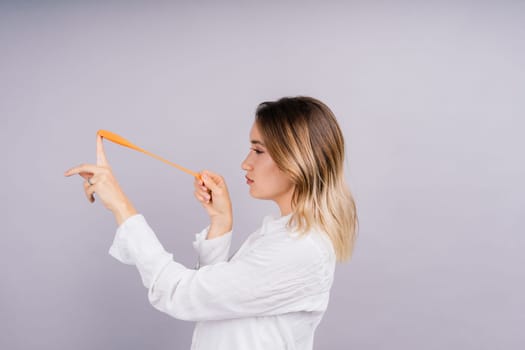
x: 200, y: 198
x: 89, y: 191
x: 205, y: 194
x: 211, y: 181
x: 198, y: 179
x: 101, y: 155
x: 201, y: 189
x: 86, y: 175
x: 83, y: 168
x: 197, y: 184
x: 210, y: 174
x: 219, y: 180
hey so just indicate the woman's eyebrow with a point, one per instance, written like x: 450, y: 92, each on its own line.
x: 257, y: 142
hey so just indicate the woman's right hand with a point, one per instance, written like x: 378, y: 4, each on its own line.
x: 211, y: 191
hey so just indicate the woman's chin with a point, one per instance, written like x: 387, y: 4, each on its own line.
x: 254, y: 194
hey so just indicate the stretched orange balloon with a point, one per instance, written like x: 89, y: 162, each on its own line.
x: 123, y: 142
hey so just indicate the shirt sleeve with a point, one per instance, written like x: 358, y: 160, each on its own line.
x: 135, y: 243
x: 275, y: 278
x: 211, y: 251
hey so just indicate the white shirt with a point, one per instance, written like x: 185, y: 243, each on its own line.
x: 271, y: 294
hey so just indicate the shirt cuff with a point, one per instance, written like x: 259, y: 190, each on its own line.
x: 135, y: 243
x: 212, y: 251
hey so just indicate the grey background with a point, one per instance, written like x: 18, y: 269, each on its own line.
x: 430, y: 97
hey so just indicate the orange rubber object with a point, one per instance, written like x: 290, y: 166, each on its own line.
x: 123, y: 142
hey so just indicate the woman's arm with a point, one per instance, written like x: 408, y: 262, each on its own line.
x: 213, y: 243
x: 212, y: 192
x: 124, y: 211
x: 212, y: 251
x: 278, y: 277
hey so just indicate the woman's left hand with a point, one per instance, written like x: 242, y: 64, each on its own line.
x: 100, y: 180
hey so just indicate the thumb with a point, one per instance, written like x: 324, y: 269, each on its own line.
x: 101, y: 156
x: 211, y: 181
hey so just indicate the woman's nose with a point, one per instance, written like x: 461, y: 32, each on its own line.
x: 245, y: 165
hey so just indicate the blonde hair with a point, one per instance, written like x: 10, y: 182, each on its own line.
x: 303, y: 138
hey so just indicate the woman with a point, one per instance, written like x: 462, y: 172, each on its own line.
x: 273, y: 292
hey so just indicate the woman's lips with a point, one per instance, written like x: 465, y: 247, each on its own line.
x: 248, y: 180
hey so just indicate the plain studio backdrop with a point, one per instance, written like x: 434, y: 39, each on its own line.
x: 430, y: 97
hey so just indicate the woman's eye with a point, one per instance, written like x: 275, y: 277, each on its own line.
x: 257, y: 151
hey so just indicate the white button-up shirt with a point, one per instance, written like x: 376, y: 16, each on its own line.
x: 271, y: 294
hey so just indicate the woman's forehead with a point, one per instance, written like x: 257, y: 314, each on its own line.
x: 255, y: 136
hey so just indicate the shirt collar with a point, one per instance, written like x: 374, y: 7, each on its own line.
x: 272, y: 223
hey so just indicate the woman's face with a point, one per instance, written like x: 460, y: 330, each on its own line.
x: 265, y: 179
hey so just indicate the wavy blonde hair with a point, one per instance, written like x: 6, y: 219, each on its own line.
x: 303, y: 138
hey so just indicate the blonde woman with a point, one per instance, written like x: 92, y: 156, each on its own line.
x: 272, y: 293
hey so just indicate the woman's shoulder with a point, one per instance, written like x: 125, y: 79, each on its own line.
x: 313, y: 246
x: 322, y: 242
x: 279, y: 236
x: 313, y: 251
